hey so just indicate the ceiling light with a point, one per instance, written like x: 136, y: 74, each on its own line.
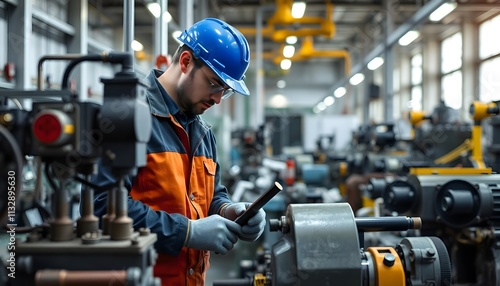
x: 155, y: 9
x: 339, y: 92
x: 286, y: 64
x: 288, y: 51
x: 177, y: 34
x: 291, y: 40
x: 321, y: 106
x: 442, y: 11
x: 166, y: 17
x: 278, y: 101
x: 329, y: 100
x: 357, y: 79
x: 136, y: 46
x: 298, y: 9
x: 375, y: 63
x: 316, y: 109
x: 281, y: 83
x: 409, y: 37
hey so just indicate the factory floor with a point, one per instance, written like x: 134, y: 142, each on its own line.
x: 228, y: 266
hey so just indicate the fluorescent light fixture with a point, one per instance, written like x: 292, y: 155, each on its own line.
x: 281, y: 83
x: 288, y: 51
x: 321, y: 106
x: 442, y: 11
x: 166, y: 17
x: 286, y: 64
x: 329, y: 100
x: 339, y: 92
x: 357, y: 79
x: 316, y: 109
x: 155, y: 9
x: 375, y: 63
x: 291, y: 40
x: 409, y: 37
x: 136, y: 46
x: 298, y: 9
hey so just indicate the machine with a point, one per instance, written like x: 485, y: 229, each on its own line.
x: 323, y: 244
x: 68, y: 137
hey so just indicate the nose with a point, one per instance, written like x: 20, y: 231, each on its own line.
x: 216, y: 97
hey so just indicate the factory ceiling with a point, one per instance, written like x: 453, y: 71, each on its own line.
x: 327, y: 32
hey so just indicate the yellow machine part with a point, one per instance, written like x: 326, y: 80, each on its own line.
x: 450, y: 171
x: 387, y: 274
x: 482, y: 110
x: 342, y: 189
x: 367, y: 202
x: 416, y: 117
x: 343, y: 169
x: 259, y: 280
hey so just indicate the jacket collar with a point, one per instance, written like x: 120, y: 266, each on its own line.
x: 160, y: 103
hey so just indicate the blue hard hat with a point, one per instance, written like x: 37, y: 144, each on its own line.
x: 221, y: 47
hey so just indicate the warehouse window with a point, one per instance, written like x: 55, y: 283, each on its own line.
x: 489, y: 54
x: 451, y: 63
x: 416, y: 82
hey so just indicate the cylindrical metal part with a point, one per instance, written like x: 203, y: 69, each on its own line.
x: 457, y: 202
x: 80, y: 278
x: 367, y: 224
x: 88, y: 222
x: 121, y: 226
x: 111, y: 212
x: 233, y: 282
x: 61, y: 228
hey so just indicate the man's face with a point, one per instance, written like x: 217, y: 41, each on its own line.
x: 200, y: 90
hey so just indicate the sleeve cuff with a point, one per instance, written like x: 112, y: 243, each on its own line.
x: 222, y: 209
x: 187, y: 232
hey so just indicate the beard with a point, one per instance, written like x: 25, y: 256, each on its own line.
x: 185, y: 102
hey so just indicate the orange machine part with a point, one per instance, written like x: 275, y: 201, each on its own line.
x: 390, y: 272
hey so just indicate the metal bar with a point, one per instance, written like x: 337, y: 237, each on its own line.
x: 53, y: 22
x: 391, y: 39
x: 128, y: 25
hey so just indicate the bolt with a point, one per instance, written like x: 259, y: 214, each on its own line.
x: 430, y: 252
x: 389, y: 259
x: 144, y: 231
x: 7, y: 117
x: 68, y: 107
x: 110, y: 154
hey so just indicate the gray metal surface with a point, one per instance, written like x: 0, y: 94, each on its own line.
x: 75, y: 255
x: 321, y: 248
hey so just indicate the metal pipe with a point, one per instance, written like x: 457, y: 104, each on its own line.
x: 80, y: 278
x: 391, y: 39
x: 51, y: 57
x: 370, y: 224
x: 128, y: 24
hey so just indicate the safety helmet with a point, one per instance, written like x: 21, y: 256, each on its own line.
x: 221, y: 47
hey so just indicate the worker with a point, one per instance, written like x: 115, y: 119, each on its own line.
x: 178, y: 194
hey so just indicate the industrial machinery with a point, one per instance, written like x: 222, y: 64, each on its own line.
x: 462, y: 210
x: 69, y: 137
x: 480, y: 111
x: 323, y: 244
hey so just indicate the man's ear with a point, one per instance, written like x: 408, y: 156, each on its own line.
x: 185, y: 59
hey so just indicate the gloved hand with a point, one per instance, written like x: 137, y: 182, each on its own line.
x: 255, y: 226
x: 213, y: 233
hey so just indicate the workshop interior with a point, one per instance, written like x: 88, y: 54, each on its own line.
x: 376, y: 122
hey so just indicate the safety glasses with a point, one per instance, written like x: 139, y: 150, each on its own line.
x: 217, y: 88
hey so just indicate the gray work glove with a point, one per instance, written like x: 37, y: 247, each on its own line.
x: 255, y: 226
x: 213, y: 233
